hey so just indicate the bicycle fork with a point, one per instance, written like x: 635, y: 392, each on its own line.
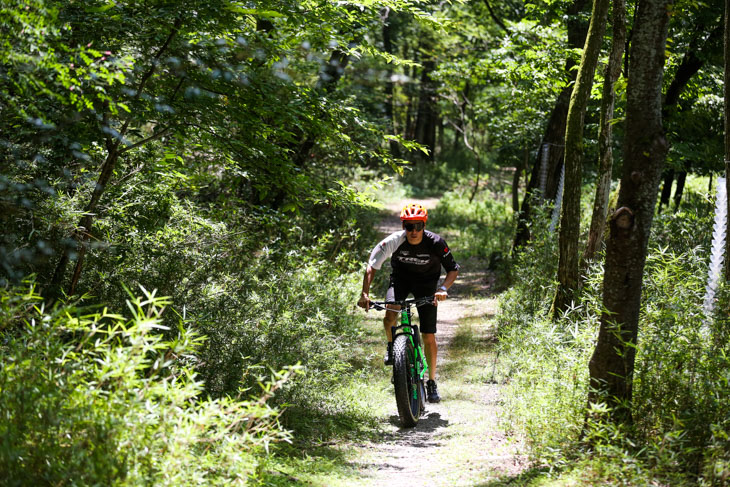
x: 419, y: 360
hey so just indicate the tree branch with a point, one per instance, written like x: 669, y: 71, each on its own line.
x: 495, y: 18
x: 142, y: 142
x: 149, y: 74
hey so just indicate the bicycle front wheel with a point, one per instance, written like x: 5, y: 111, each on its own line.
x: 408, y: 390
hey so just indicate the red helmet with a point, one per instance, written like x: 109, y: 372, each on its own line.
x: 414, y: 212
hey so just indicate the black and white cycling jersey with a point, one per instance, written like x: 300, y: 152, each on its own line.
x: 423, y: 260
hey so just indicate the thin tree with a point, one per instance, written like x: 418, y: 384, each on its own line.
x: 605, y: 132
x: 426, y: 116
x: 554, y: 136
x: 693, y: 60
x: 612, y: 365
x: 82, y: 234
x: 568, y: 265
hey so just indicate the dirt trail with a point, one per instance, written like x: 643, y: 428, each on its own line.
x: 457, y: 442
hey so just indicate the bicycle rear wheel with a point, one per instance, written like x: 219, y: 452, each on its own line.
x: 408, y: 390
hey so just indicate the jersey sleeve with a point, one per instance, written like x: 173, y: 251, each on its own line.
x: 385, y: 249
x: 447, y: 258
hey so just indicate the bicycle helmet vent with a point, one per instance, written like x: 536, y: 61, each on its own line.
x: 414, y: 212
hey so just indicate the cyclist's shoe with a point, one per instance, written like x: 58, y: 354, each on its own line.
x: 432, y: 392
x: 388, y: 358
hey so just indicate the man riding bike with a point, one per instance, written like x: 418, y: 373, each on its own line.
x: 416, y: 257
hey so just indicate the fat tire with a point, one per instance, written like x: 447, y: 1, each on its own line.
x: 405, y: 381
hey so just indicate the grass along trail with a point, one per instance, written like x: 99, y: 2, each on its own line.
x: 457, y: 442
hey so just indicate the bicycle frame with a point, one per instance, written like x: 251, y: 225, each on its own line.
x: 410, y: 367
x: 407, y: 328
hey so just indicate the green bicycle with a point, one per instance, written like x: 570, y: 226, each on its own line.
x: 410, y: 369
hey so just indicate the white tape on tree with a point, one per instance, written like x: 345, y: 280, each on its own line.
x: 544, y: 161
x: 558, y: 201
x: 719, y: 232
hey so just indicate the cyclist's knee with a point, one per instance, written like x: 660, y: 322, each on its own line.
x: 428, y: 338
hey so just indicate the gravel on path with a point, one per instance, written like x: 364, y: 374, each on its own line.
x: 457, y: 442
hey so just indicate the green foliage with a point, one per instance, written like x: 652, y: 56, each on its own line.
x: 269, y: 291
x: 520, y: 67
x: 533, y: 277
x: 90, y: 397
x: 480, y: 228
x: 229, y: 106
x: 680, y: 382
x: 546, y: 362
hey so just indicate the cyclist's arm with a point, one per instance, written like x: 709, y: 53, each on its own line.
x: 440, y: 293
x: 450, y: 278
x: 364, y: 301
x: 380, y: 253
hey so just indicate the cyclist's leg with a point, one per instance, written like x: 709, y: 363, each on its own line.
x: 397, y: 291
x: 431, y: 350
x: 427, y: 317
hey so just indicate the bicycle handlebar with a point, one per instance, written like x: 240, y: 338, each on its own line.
x: 404, y: 303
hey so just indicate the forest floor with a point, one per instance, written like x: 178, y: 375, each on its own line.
x: 457, y: 442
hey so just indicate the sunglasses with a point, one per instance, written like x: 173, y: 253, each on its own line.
x: 417, y: 226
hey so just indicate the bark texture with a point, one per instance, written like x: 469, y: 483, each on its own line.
x: 612, y: 364
x: 605, y: 132
x: 568, y: 264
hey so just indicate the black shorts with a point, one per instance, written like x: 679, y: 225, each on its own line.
x: 399, y: 289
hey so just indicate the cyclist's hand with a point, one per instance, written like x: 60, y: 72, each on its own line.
x: 364, y: 301
x: 439, y: 296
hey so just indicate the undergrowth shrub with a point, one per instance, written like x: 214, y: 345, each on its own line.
x: 480, y: 228
x: 284, y: 316
x: 679, y: 434
x: 268, y: 288
x: 533, y: 278
x: 94, y: 398
x: 546, y: 365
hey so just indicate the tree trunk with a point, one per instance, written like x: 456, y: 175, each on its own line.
x: 605, y: 133
x: 554, y: 137
x: 666, y: 189
x: 410, y: 95
x: 679, y: 191
x: 690, y: 65
x: 425, y: 129
x: 612, y: 364
x: 461, y: 122
x: 516, y: 180
x: 568, y: 263
x: 555, y: 131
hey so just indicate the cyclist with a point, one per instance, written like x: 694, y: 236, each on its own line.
x: 416, y: 257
